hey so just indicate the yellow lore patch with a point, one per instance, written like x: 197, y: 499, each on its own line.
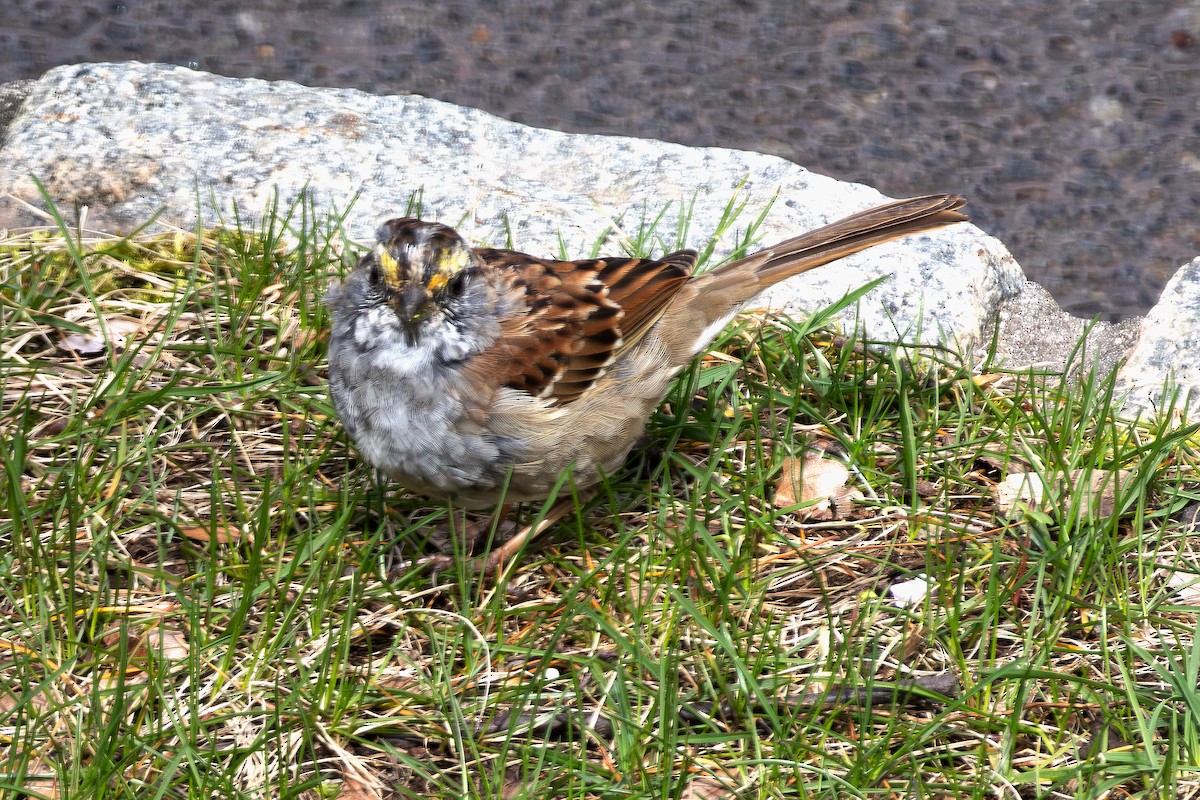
x: 451, y: 261
x: 388, y: 265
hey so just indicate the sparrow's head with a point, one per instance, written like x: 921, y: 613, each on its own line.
x: 417, y: 267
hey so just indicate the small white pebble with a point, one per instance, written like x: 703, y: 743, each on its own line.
x: 1186, y: 586
x: 909, y: 593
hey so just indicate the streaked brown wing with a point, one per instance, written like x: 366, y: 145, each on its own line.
x: 581, y: 316
x: 644, y: 289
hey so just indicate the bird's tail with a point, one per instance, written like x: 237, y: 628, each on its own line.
x: 837, y: 240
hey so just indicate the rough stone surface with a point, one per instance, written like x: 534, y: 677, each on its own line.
x: 12, y: 96
x: 128, y: 140
x: 1034, y: 333
x: 1167, y: 352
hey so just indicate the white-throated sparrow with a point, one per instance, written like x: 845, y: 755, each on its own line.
x: 481, y: 375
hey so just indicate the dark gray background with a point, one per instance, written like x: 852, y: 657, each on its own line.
x: 1073, y: 127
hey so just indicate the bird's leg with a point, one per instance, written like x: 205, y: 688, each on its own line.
x: 493, y: 527
x: 466, y: 532
x: 494, y: 562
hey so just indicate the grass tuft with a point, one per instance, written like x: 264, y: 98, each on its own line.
x: 204, y: 594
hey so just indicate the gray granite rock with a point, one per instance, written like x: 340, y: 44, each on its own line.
x: 131, y: 140
x: 12, y: 97
x: 1034, y: 333
x: 1162, y: 372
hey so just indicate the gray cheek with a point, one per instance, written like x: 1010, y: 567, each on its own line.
x: 375, y: 327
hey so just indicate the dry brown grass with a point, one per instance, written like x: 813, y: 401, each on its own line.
x: 202, y: 593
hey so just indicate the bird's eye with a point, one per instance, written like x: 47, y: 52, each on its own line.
x: 457, y: 284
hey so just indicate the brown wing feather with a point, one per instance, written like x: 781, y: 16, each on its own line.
x: 581, y: 316
x: 644, y: 289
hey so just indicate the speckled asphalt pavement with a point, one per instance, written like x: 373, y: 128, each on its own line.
x: 1073, y: 127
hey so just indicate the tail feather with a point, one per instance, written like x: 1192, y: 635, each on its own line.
x: 706, y: 302
x: 842, y: 238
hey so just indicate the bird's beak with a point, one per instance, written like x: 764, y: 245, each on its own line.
x: 411, y: 302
